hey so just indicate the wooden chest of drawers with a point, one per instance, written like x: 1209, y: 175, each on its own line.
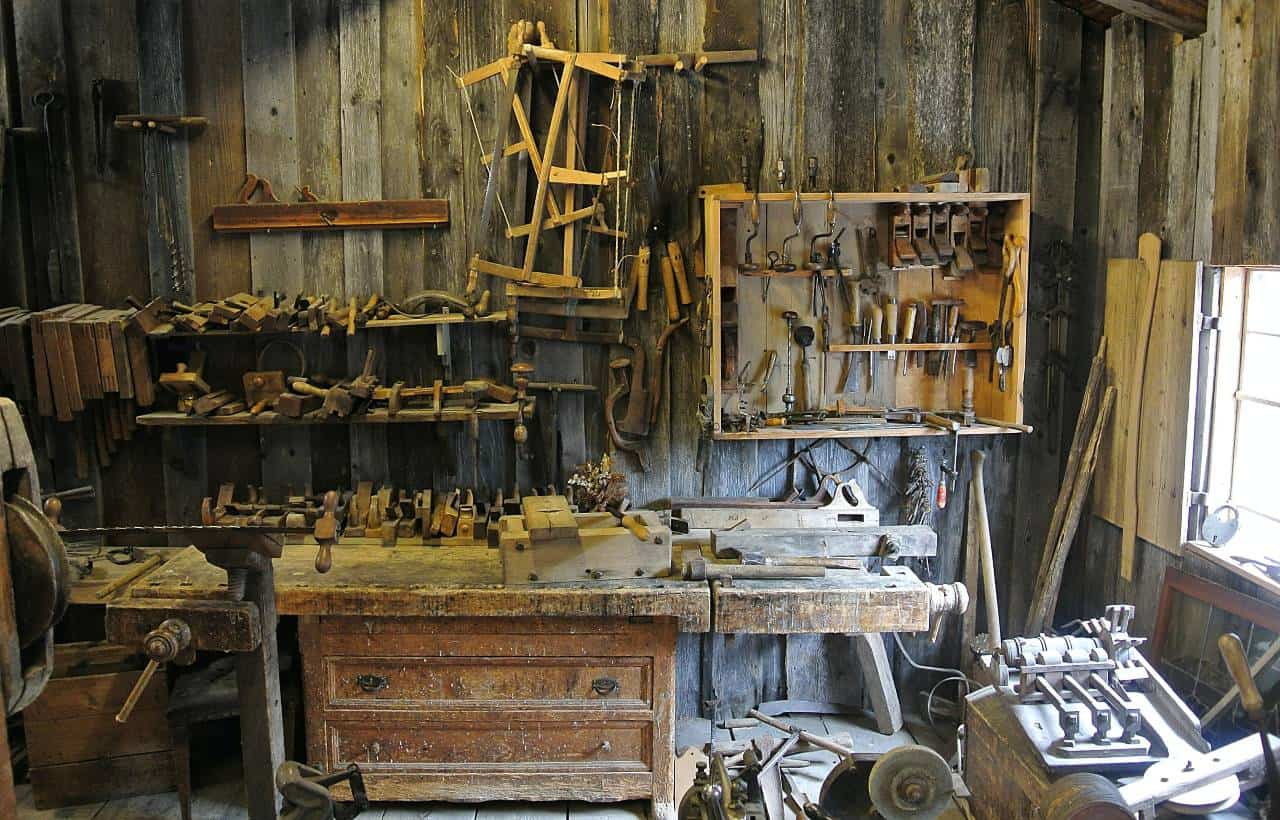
x: 472, y: 709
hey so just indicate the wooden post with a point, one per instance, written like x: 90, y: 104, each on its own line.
x: 877, y: 676
x: 261, y: 717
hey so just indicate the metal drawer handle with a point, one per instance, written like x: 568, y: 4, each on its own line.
x: 604, y: 686
x: 372, y: 683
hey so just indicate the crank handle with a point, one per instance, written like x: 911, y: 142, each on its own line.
x: 161, y: 645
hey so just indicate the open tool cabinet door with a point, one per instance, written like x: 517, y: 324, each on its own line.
x: 1147, y: 467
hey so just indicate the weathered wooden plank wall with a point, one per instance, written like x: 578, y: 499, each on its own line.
x: 1206, y: 172
x: 357, y: 98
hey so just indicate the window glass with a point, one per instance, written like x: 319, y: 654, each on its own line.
x: 1257, y: 456
x: 1263, y: 305
x: 1260, y: 371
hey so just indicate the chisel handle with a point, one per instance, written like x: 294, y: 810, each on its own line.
x: 640, y: 275
x: 669, y: 289
x: 907, y: 325
x: 677, y: 265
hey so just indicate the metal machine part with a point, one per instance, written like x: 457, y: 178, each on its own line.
x: 715, y: 795
x: 306, y: 792
x: 1061, y: 706
x: 846, y: 506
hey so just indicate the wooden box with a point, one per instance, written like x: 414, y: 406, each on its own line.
x: 747, y: 315
x: 77, y: 751
x: 474, y: 709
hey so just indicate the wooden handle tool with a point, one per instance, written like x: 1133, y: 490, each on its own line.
x: 640, y: 275
x: 891, y: 325
x: 677, y: 265
x: 908, y: 323
x: 1238, y: 665
x: 669, y: 289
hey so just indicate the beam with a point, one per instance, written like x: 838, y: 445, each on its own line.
x: 1183, y: 16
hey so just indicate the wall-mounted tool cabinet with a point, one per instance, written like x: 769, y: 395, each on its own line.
x: 812, y: 298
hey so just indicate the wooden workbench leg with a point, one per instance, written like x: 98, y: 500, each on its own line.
x: 877, y: 676
x: 261, y: 719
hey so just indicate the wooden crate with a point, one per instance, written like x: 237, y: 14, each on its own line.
x: 77, y: 751
x: 474, y: 709
x: 747, y: 314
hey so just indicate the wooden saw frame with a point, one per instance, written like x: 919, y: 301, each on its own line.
x: 562, y: 208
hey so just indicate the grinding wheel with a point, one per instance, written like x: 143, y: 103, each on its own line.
x: 40, y: 568
x: 911, y: 782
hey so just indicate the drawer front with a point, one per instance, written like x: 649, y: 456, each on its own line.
x: 416, y: 683
x: 532, y: 746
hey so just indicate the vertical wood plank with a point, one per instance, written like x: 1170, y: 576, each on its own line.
x: 839, y: 88
x: 731, y: 135
x: 1122, y: 137
x: 402, y: 95
x: 108, y: 165
x: 1158, y: 99
x: 1230, y: 192
x: 782, y: 26
x: 1210, y: 105
x: 217, y: 156
x: 893, y: 164
x: 681, y: 27
x: 39, y: 40
x: 271, y: 150
x: 360, y: 41
x: 939, y: 83
x: 1053, y: 190
x: 1262, y: 162
x: 1182, y: 198
x: 167, y: 183
x: 1004, y: 84
x: 19, y: 287
x: 320, y: 140
x: 271, y: 128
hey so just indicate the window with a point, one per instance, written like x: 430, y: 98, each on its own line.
x: 1244, y: 446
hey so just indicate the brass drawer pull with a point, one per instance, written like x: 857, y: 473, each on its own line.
x: 605, y: 686
x: 372, y: 683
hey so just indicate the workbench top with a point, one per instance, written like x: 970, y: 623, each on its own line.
x: 467, y: 582
x: 434, y: 582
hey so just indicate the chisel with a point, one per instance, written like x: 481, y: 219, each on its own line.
x: 877, y: 325
x: 907, y: 326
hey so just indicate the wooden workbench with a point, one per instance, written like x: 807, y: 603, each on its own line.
x: 443, y: 684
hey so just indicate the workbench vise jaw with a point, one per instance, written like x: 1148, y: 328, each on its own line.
x: 549, y: 543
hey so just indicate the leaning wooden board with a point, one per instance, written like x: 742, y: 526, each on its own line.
x: 1164, y: 463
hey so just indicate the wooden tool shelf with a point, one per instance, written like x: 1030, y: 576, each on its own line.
x: 413, y: 415
x: 431, y: 320
x: 747, y: 307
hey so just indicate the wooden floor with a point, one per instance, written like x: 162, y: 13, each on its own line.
x: 223, y: 800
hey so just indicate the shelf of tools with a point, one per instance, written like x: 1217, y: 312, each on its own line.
x: 849, y: 315
x: 283, y: 387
